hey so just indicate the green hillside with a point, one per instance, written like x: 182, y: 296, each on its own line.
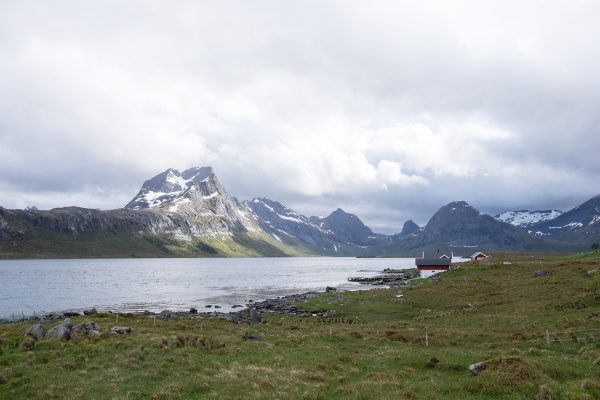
x: 373, y: 348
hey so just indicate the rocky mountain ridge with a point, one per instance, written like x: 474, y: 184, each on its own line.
x: 190, y: 213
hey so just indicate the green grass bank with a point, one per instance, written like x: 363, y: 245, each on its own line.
x: 374, y: 348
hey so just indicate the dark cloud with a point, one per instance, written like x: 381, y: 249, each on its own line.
x: 385, y: 109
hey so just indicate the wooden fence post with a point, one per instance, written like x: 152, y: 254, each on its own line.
x: 547, y: 338
x: 426, y: 340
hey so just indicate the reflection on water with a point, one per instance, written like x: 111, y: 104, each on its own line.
x: 134, y: 285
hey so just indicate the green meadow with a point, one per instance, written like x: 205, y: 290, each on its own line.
x: 540, y: 336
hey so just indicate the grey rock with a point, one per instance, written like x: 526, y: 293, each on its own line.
x: 330, y: 289
x: 91, y: 311
x: 71, y: 314
x: 37, y: 331
x: 540, y: 274
x: 476, y: 368
x: 592, y: 272
x: 62, y: 331
x: 120, y: 330
x: 86, y: 328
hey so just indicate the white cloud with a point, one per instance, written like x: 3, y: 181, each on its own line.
x: 347, y: 103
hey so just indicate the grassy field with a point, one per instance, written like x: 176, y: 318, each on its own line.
x: 374, y: 348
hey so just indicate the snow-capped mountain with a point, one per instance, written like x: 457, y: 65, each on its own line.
x: 340, y: 232
x: 173, y: 188
x: 286, y: 225
x: 525, y: 218
x: 580, y: 223
x: 459, y: 225
x: 190, y: 213
x: 197, y: 196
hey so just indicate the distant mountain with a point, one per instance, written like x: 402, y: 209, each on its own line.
x: 346, y: 227
x: 459, y: 225
x: 525, y: 219
x: 197, y: 196
x: 174, y: 214
x: 410, y: 228
x: 581, y: 225
x: 340, y: 233
x: 190, y: 214
x: 289, y: 227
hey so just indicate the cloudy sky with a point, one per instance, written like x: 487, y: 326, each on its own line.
x: 388, y: 109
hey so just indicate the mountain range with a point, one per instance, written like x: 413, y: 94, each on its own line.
x: 190, y: 214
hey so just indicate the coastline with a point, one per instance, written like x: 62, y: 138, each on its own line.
x: 387, y: 278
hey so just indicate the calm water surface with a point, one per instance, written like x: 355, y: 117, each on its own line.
x: 130, y: 285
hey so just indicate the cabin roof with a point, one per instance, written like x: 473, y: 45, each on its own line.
x: 478, y: 254
x: 442, y: 262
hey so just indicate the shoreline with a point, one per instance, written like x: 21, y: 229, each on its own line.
x: 283, y: 304
x: 388, y: 278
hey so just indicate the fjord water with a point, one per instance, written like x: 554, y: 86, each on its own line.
x: 135, y: 285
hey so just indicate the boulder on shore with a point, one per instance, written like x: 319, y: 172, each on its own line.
x: 37, y: 331
x: 120, y: 330
x: 61, y: 331
x: 86, y: 328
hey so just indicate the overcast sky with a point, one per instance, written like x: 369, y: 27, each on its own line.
x: 388, y: 109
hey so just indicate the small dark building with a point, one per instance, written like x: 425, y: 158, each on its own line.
x: 431, y: 266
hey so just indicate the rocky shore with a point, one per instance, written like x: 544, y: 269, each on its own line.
x: 389, y: 277
x: 250, y: 314
x: 252, y: 311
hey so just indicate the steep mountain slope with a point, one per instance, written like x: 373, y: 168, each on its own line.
x: 525, y: 218
x: 457, y: 225
x: 197, y: 196
x: 580, y: 225
x: 185, y: 214
x: 340, y: 233
x: 288, y: 226
x: 347, y: 228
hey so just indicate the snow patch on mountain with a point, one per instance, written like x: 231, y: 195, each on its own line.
x: 525, y: 218
x: 172, y: 185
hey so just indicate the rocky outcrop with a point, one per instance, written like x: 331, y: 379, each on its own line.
x: 61, y: 331
x: 86, y: 328
x: 65, y: 330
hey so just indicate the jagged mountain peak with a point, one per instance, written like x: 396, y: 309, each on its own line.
x: 346, y: 226
x: 409, y: 227
x: 171, y: 185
